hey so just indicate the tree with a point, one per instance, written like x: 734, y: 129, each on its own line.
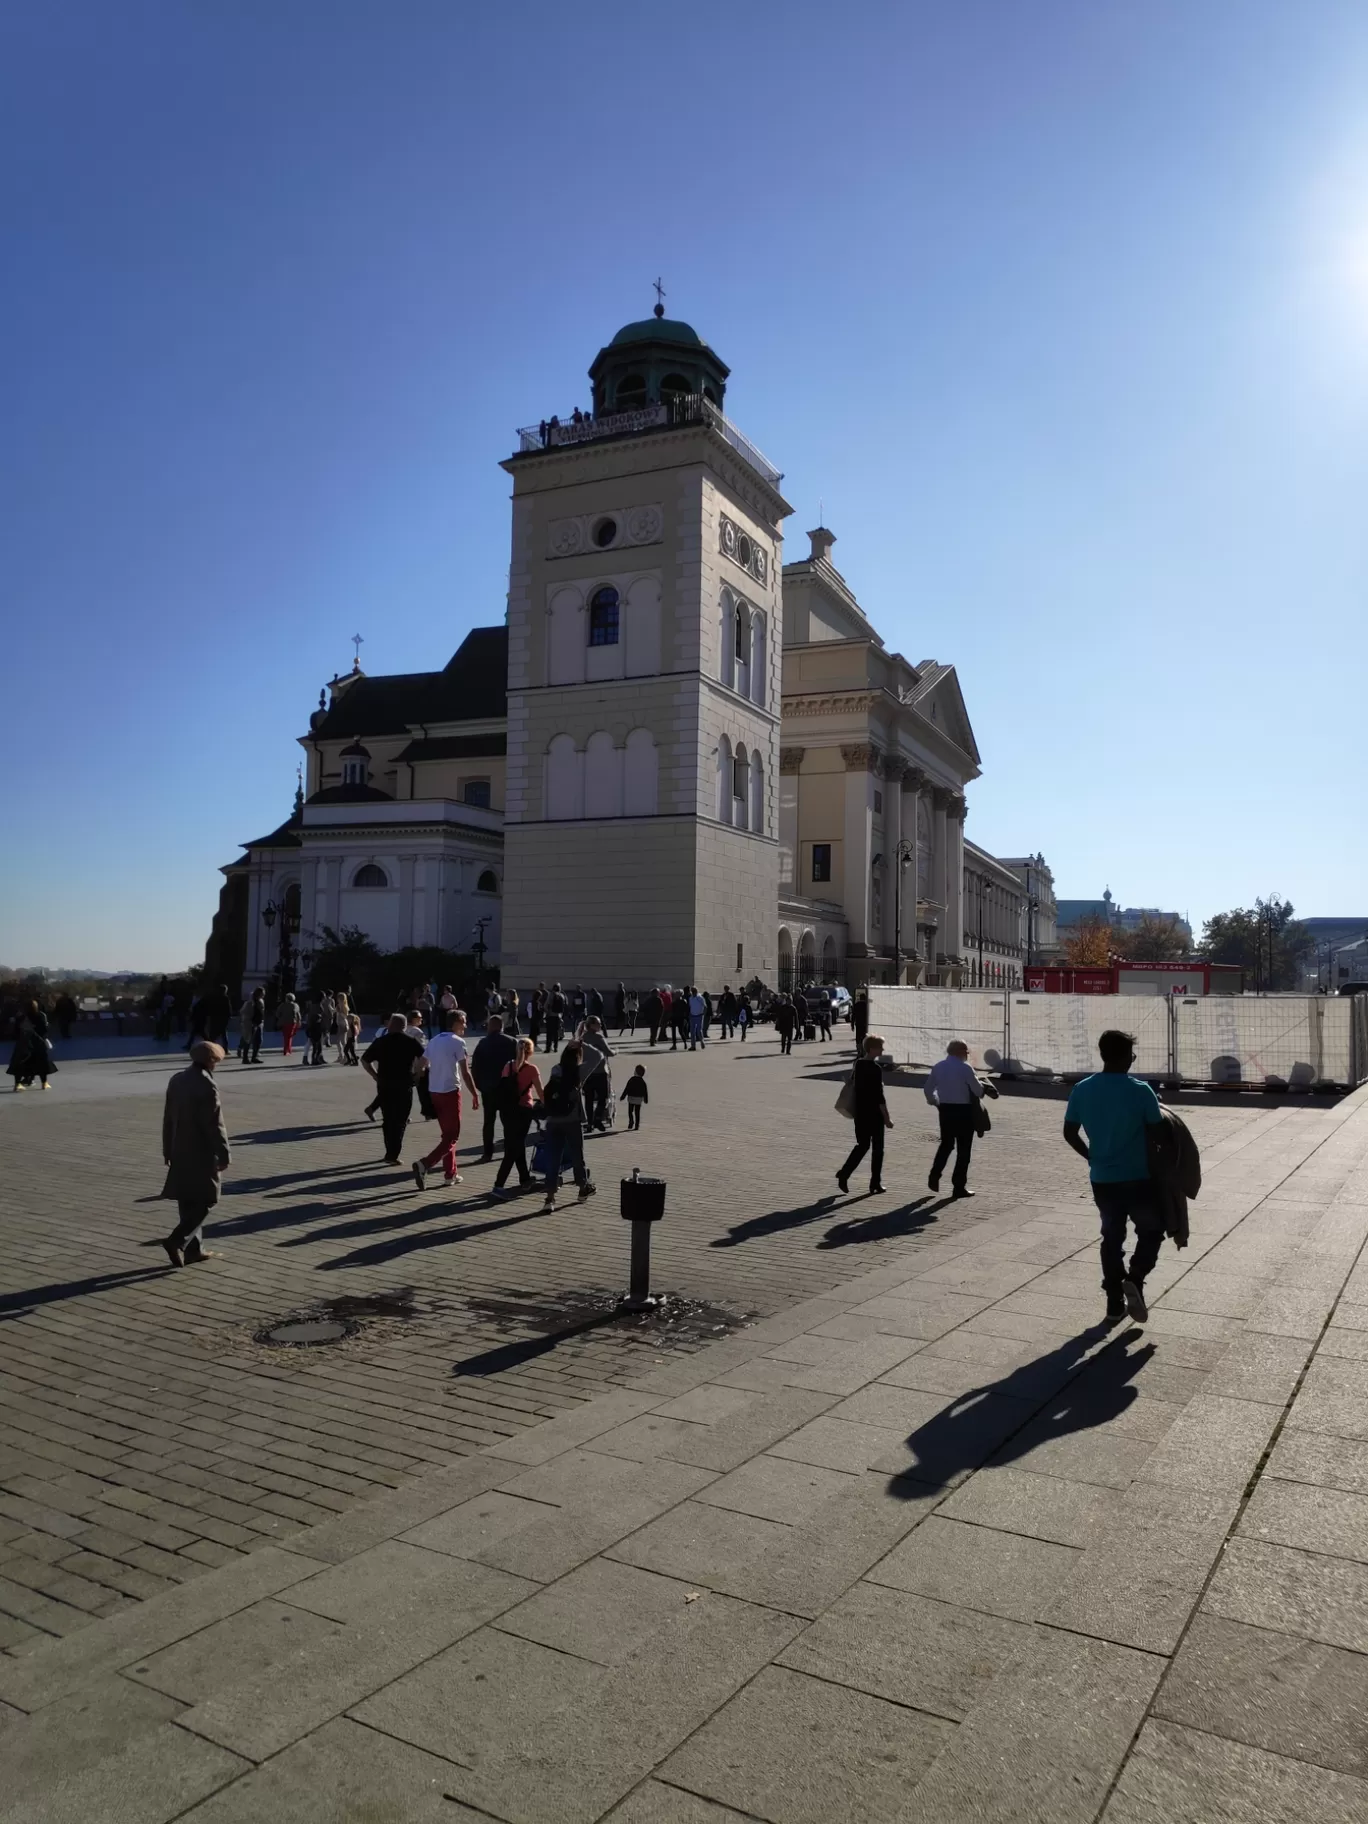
x: 1154, y: 940
x: 341, y: 956
x: 1089, y: 944
x: 1264, y: 939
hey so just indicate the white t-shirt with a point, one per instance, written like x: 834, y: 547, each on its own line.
x: 953, y: 1082
x: 445, y: 1054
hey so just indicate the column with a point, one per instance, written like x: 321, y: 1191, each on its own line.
x: 956, y: 810
x: 940, y: 874
x: 790, y: 766
x: 405, y: 901
x: 308, y: 903
x: 914, y: 784
x: 894, y: 767
x: 860, y: 762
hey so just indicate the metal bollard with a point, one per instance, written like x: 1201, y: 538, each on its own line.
x: 642, y: 1202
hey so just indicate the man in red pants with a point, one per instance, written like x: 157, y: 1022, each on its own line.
x: 447, y: 1066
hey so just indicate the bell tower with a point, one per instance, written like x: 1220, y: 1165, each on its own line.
x: 644, y: 624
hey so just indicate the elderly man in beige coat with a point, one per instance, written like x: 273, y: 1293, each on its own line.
x: 195, y: 1148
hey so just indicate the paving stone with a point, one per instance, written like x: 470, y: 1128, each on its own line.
x: 394, y: 1580
x: 977, y: 1567
x: 1046, y: 1739
x: 148, y: 1780
x: 708, y: 1405
x: 840, y: 1444
x: 540, y: 1734
x: 1042, y: 1507
x: 1295, y: 1697
x: 1317, y: 1456
x: 1145, y: 1566
x: 798, y: 1750
x: 341, y: 1771
x: 601, y: 1500
x: 386, y: 1516
x: 736, y: 1436
x: 785, y: 1567
x: 929, y: 1655
x: 1313, y: 1519
x: 229, y: 1652
x: 73, y: 1736
x: 1214, y: 1444
x: 1260, y: 1367
x: 1078, y: 1448
x: 1181, y: 1776
x: 654, y: 1802
x: 568, y: 1429
x: 1296, y: 1592
x: 1334, y: 1398
x: 776, y: 1489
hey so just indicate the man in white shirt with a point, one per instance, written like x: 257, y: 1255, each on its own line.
x: 953, y: 1087
x: 446, y: 1065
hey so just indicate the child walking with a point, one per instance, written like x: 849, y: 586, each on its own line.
x: 635, y: 1094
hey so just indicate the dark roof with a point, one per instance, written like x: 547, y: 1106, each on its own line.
x: 351, y: 794
x: 658, y: 329
x: 286, y: 837
x: 455, y: 747
x: 355, y: 750
x: 472, y: 686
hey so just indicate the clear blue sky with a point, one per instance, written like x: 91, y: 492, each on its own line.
x: 1061, y: 309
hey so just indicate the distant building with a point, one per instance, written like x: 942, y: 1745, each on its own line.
x: 1339, y: 953
x: 1041, y: 907
x: 1072, y: 913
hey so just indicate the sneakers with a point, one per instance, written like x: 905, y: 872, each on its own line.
x: 875, y: 1190
x: 497, y: 1190
x: 961, y: 1190
x: 420, y: 1174
x: 1135, y: 1300
x: 452, y: 1178
x: 1116, y: 1310
x: 586, y: 1191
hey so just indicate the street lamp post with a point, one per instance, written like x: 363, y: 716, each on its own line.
x: 289, y: 925
x: 479, y: 948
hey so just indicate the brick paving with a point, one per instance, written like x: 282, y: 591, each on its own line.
x: 146, y: 1437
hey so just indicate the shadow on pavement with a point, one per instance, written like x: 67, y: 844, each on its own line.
x: 776, y: 1221
x: 269, y: 1136
x: 1005, y: 1419
x: 237, y: 1187
x: 514, y: 1355
x: 382, y: 1251
x: 260, y: 1220
x: 886, y: 1225
x: 19, y: 1304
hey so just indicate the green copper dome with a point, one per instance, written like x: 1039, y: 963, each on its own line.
x: 658, y: 329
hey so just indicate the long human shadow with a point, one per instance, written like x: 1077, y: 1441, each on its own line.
x: 367, y: 1182
x: 885, y: 1225
x: 239, y: 1187
x: 1005, y: 1419
x: 365, y: 1224
x: 774, y: 1223
x: 20, y: 1304
x: 258, y: 1221
x: 270, y: 1136
x: 382, y: 1251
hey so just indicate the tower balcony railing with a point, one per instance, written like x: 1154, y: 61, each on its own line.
x: 679, y: 409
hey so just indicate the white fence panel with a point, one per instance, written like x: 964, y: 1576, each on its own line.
x: 1292, y: 1039
x: 917, y: 1024
x: 1057, y: 1034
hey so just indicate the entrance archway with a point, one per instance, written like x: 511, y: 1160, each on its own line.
x: 785, y: 961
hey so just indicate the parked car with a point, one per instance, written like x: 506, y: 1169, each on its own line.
x: 842, y: 1006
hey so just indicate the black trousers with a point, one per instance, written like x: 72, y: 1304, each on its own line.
x: 553, y: 1031
x: 489, y: 1108
x: 633, y: 1113
x: 596, y: 1097
x: 396, y: 1105
x: 191, y: 1221
x: 785, y: 1040
x: 957, y: 1136
x: 516, y: 1123
x: 1116, y: 1203
x: 869, y: 1138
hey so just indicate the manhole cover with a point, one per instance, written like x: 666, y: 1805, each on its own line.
x: 304, y: 1333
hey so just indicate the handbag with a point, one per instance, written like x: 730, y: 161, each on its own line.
x: 845, y: 1102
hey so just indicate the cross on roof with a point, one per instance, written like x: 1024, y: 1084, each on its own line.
x: 358, y: 642
x: 660, y: 299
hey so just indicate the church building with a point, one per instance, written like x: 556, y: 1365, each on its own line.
x: 679, y: 759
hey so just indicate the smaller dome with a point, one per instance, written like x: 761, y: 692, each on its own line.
x: 356, y: 752
x: 658, y: 329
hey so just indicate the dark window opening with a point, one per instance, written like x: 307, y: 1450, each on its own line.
x: 488, y: 882
x: 604, y: 533
x: 371, y: 876
x: 675, y: 386
x: 878, y: 801
x: 738, y: 958
x: 603, y: 618
x: 476, y: 792
x: 821, y: 861
x: 631, y: 393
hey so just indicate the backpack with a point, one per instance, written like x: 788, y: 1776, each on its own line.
x: 558, y: 1099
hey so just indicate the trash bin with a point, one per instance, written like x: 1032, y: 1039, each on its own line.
x: 642, y: 1202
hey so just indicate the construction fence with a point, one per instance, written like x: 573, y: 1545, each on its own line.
x: 1300, y: 1041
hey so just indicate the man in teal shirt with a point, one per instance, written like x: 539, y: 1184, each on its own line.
x: 1121, y: 1116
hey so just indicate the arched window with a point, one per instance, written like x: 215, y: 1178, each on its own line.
x: 603, y: 617
x: 757, y: 794
x: 741, y: 646
x: 807, y: 957
x: 488, y: 882
x: 476, y: 792
x: 726, y: 665
x: 673, y: 386
x: 724, y: 780
x: 370, y: 876
x: 564, y: 778
x: 785, y: 960
x: 602, y: 776
x: 757, y: 658
x: 631, y: 393
x: 829, y: 959
x: 641, y: 774
x: 740, y: 788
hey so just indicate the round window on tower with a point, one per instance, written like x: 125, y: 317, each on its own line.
x: 743, y: 551
x: 605, y: 533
